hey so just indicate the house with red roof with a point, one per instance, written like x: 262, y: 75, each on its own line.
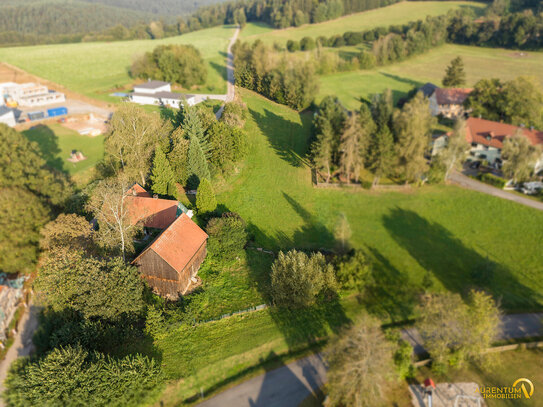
x: 486, y: 138
x: 449, y: 102
x: 170, y: 263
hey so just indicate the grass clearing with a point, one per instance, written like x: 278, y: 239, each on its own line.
x: 96, y: 68
x: 479, y: 63
x: 399, y: 13
x: 56, y: 143
x: 447, y: 231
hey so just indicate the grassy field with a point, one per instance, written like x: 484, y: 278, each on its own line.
x: 447, y: 231
x: 57, y: 142
x: 95, y: 68
x: 479, y: 63
x: 399, y: 13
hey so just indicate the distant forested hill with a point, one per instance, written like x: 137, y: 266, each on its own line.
x: 166, y: 8
x: 63, y: 17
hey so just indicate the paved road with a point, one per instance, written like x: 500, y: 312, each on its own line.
x: 283, y: 387
x: 230, y: 92
x: 470, y: 183
x: 287, y: 386
x: 22, y: 345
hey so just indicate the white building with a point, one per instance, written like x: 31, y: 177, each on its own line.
x: 152, y: 87
x: 7, y: 116
x: 159, y: 93
x: 449, y: 102
x: 30, y: 94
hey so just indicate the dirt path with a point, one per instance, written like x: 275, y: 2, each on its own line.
x: 231, y: 89
x: 22, y: 345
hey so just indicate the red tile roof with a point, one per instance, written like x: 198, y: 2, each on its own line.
x: 451, y: 96
x: 492, y: 134
x: 178, y: 244
x: 153, y: 212
x: 138, y: 190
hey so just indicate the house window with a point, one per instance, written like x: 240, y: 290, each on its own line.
x: 474, y: 144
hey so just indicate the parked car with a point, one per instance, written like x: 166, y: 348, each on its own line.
x: 532, y: 188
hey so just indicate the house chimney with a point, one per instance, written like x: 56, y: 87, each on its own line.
x: 190, y: 214
x: 522, y: 125
x: 532, y: 128
x: 155, y: 196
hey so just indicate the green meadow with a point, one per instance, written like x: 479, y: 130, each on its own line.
x: 479, y: 63
x: 443, y: 232
x: 399, y: 13
x: 95, y: 69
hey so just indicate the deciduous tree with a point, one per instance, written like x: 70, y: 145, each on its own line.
x: 456, y: 148
x: 413, y: 125
x: 360, y: 364
x: 131, y: 139
x: 297, y: 279
x: 520, y: 157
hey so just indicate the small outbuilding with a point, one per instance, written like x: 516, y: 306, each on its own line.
x: 7, y: 116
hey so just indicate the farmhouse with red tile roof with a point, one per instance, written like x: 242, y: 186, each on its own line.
x: 170, y: 263
x: 486, y: 137
x: 448, y: 102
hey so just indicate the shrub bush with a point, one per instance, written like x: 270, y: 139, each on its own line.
x: 227, y: 236
x: 492, y: 180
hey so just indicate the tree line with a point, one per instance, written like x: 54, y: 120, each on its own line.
x: 278, y: 77
x: 387, y: 141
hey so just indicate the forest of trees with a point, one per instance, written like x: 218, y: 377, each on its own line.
x: 387, y: 141
x: 280, y: 78
x: 182, y: 64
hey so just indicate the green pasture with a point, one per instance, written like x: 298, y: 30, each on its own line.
x: 479, y: 63
x: 97, y: 68
x: 399, y: 13
x: 446, y: 231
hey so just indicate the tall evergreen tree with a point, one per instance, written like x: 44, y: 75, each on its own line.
x: 205, y: 198
x: 382, y: 106
x: 455, y: 75
x: 381, y: 155
x: 178, y: 156
x: 162, y: 176
x: 197, y: 163
x: 321, y: 151
x: 354, y: 142
x: 192, y: 126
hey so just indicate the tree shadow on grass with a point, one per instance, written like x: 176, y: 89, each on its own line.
x: 304, y: 326
x: 221, y: 69
x: 288, y: 139
x: 458, y: 267
x: 47, y: 142
x: 393, y: 296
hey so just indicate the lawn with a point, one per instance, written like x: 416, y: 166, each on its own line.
x: 401, y: 77
x: 399, y: 13
x: 447, y: 231
x: 56, y: 143
x: 95, y: 68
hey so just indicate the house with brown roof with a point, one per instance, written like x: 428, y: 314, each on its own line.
x: 170, y: 262
x: 486, y: 138
x: 449, y: 102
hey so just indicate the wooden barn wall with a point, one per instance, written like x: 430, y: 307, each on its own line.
x: 192, y: 268
x: 160, y: 276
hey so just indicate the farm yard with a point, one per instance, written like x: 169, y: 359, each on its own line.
x: 430, y: 67
x: 57, y: 142
x: 97, y: 69
x: 399, y: 13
